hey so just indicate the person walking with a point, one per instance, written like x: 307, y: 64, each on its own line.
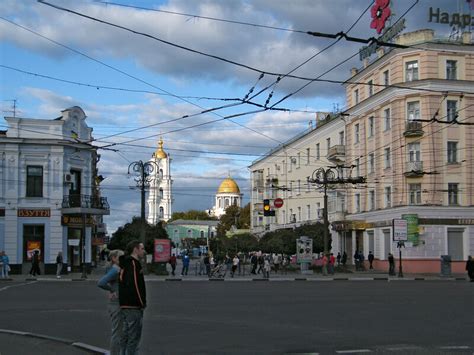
x: 338, y: 258
x: 207, y: 264
x: 325, y: 265
x: 132, y: 297
x: 332, y: 262
x: 470, y: 268
x: 235, y: 265
x: 344, y: 259
x: 254, y: 261
x: 185, y: 269
x: 266, y: 266
x: 357, y: 260
x: 391, y: 265
x: 35, y: 260
x: 261, y: 263
x: 59, y: 264
x: 5, y: 265
x: 110, y: 283
x: 361, y: 261
x: 370, y: 257
x: 173, y: 263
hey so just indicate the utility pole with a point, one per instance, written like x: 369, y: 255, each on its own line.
x: 143, y: 178
x: 328, y: 177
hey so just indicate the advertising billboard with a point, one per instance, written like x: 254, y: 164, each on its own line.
x: 162, y: 250
x: 304, y: 250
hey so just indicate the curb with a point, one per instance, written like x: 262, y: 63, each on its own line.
x: 91, y: 348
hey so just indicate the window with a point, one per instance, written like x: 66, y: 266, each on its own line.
x: 413, y: 110
x: 357, y: 166
x: 299, y: 214
x: 290, y: 165
x: 386, y: 78
x: 308, y: 212
x: 357, y: 202
x: 341, y: 138
x: 372, y: 200
x: 318, y: 152
x: 414, y: 191
x: 386, y: 116
x: 388, y: 196
x: 328, y: 144
x: 298, y: 160
x: 356, y: 96
x: 307, y: 155
x: 34, y: 181
x: 411, y: 70
x: 356, y: 133
x: 161, y: 192
x: 319, y: 213
x: 456, y: 243
x: 371, y: 163
x: 451, y: 110
x: 298, y: 187
x: 371, y: 126
x: 414, y: 153
x: 453, y: 194
x: 387, y: 156
x: 451, y: 69
x: 452, y: 152
x: 371, y: 87
x: 290, y: 192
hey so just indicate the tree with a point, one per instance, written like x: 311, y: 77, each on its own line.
x: 234, y: 216
x: 191, y: 215
x: 131, y: 231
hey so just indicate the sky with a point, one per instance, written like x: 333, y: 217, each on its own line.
x: 185, y: 57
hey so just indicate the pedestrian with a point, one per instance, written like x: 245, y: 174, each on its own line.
x: 4, y: 265
x: 357, y: 260
x: 361, y: 260
x: 35, y: 260
x: 207, y: 264
x: 228, y: 264
x: 332, y: 262
x: 284, y: 264
x: 470, y: 268
x: 266, y: 266
x: 132, y: 297
x: 391, y: 265
x: 110, y: 282
x: 276, y: 262
x: 235, y: 265
x: 185, y: 269
x: 254, y: 262
x: 59, y: 264
x: 344, y: 259
x: 261, y: 263
x: 325, y: 265
x: 370, y: 257
x: 338, y: 258
x: 202, y: 266
x: 173, y: 263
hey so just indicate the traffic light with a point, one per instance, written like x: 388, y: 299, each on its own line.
x: 267, y: 209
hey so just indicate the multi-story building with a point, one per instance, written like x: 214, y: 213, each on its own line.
x: 284, y: 171
x: 160, y: 198
x: 49, y: 191
x: 416, y: 169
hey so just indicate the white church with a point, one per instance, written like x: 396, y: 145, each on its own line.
x: 160, y: 198
x: 228, y: 194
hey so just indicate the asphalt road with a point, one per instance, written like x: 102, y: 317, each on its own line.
x: 432, y: 317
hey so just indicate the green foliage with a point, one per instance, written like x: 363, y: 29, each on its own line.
x: 191, y: 215
x: 234, y: 215
x: 244, y: 242
x: 131, y: 230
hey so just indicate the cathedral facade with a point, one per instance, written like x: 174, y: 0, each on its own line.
x: 160, y: 197
x: 228, y: 194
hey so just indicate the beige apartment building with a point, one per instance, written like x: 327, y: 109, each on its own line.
x: 283, y: 173
x: 420, y: 171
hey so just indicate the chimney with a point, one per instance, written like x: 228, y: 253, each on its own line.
x: 466, y: 38
x: 353, y: 71
x: 380, y: 52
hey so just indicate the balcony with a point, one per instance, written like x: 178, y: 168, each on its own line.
x: 414, y: 169
x: 413, y: 129
x: 85, y: 204
x: 337, y: 153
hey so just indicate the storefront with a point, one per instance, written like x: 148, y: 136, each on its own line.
x: 78, y: 229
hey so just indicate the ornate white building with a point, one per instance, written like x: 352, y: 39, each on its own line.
x: 228, y: 194
x: 160, y: 198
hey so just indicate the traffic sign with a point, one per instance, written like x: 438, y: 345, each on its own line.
x: 278, y: 203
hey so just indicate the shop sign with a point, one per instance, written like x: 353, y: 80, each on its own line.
x: 162, y: 250
x: 400, y: 230
x: 76, y: 221
x: 31, y: 247
x: 23, y: 212
x: 98, y: 241
x: 412, y: 228
x: 73, y: 242
x: 388, y: 35
x: 455, y: 19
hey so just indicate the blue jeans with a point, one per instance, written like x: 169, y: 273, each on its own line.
x: 132, y: 330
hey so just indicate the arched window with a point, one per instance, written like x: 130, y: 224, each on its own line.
x: 219, y: 202
x: 161, y: 173
x: 161, y: 192
x: 226, y: 202
x: 190, y: 233
x: 212, y: 234
x: 162, y: 212
x: 202, y: 234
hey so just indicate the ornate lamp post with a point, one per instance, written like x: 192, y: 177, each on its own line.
x: 143, y: 177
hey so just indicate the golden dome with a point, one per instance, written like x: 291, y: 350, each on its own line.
x: 160, y: 153
x: 228, y: 186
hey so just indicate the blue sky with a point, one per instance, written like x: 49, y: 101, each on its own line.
x: 196, y: 173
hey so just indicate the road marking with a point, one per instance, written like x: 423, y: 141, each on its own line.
x: 7, y: 287
x: 404, y: 348
x: 354, y: 351
x: 458, y: 347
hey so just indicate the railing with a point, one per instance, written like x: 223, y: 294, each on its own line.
x: 85, y: 201
x: 337, y: 152
x: 414, y: 168
x: 413, y: 129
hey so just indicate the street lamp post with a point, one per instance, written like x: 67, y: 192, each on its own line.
x: 143, y: 178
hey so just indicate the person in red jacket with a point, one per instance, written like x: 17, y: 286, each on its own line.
x: 132, y: 297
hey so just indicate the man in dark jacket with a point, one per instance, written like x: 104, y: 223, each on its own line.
x: 470, y: 268
x: 132, y: 296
